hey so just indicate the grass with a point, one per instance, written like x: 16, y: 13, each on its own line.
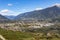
x: 16, y: 35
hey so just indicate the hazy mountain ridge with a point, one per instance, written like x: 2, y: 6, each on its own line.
x: 3, y: 19
x: 10, y: 17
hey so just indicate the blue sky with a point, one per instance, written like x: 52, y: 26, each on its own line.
x: 15, y: 7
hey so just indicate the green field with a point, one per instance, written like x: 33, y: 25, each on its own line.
x: 16, y: 35
x: 11, y: 35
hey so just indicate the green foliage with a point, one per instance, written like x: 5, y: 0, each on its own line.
x: 11, y: 35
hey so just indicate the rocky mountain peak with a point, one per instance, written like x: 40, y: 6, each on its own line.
x: 57, y: 5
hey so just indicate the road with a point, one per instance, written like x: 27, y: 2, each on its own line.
x: 2, y: 37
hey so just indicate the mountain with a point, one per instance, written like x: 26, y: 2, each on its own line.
x: 10, y: 17
x: 44, y: 14
x: 3, y: 19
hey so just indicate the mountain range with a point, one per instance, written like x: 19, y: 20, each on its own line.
x: 44, y: 14
x: 10, y: 17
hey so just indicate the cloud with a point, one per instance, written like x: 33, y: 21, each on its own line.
x: 38, y: 8
x: 4, y: 11
x: 9, y: 12
x: 10, y: 4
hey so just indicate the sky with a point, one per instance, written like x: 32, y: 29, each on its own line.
x: 16, y: 7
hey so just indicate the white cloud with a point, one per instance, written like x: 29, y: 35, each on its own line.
x: 9, y: 12
x: 38, y: 8
x: 10, y: 4
x: 4, y: 11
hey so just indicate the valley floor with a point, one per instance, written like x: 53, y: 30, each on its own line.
x: 32, y: 31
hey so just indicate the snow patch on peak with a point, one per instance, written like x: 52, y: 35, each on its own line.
x: 57, y: 4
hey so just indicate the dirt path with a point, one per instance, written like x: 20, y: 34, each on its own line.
x: 2, y: 37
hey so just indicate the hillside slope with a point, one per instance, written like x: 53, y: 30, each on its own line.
x: 48, y: 13
x: 3, y: 19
